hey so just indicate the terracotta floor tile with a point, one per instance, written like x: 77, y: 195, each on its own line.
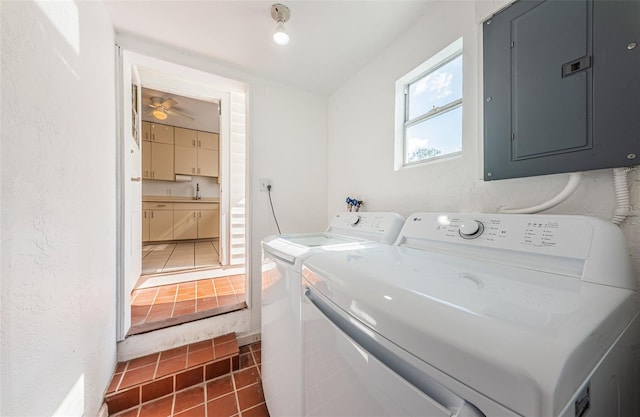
x: 171, y: 365
x: 200, y: 345
x: 250, y: 396
x: 129, y: 413
x: 198, y: 411
x: 143, y: 361
x: 226, y: 300
x: 115, y: 381
x: 224, y: 406
x: 225, y: 349
x: 189, y: 378
x: 158, y: 408
x: 137, y: 376
x: 257, y: 356
x: 245, y: 349
x: 246, y: 377
x: 246, y: 360
x: 207, y: 303
x: 257, y: 411
x: 219, y: 387
x: 200, y: 356
x: 188, y: 398
x: 180, y: 350
x: 256, y: 346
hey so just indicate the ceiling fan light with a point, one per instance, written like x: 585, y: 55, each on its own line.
x: 159, y: 114
x: 280, y: 36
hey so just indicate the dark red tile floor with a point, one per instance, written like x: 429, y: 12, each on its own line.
x: 236, y: 394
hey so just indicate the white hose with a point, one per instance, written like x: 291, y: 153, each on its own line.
x: 623, y: 200
x: 574, y: 180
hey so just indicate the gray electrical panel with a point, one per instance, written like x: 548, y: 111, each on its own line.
x: 561, y: 87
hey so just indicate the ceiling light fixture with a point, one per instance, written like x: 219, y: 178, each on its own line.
x: 280, y: 13
x: 159, y: 114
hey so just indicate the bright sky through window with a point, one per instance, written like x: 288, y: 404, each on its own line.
x: 429, y: 109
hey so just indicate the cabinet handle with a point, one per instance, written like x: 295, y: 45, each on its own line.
x: 152, y: 214
x: 161, y: 205
x: 198, y: 170
x: 193, y: 170
x: 153, y: 136
x: 145, y: 214
x: 153, y: 174
x: 199, y: 214
x: 199, y: 144
x: 193, y: 142
x: 135, y: 179
x: 194, y: 214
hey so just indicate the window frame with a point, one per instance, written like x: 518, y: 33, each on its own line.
x: 445, y: 56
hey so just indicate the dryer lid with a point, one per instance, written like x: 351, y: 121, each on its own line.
x: 525, y: 338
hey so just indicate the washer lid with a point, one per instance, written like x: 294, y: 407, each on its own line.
x: 294, y: 246
x: 524, y: 338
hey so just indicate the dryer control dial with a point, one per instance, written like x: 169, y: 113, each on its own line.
x: 470, y: 229
x: 354, y: 220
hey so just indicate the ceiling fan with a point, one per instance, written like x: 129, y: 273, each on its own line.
x: 163, y: 108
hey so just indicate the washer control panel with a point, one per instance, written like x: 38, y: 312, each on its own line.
x: 546, y: 234
x: 590, y: 248
x: 377, y: 226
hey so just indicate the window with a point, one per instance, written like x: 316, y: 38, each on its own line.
x: 429, y: 109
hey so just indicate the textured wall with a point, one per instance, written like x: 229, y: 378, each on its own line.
x: 58, y: 262
x: 361, y: 144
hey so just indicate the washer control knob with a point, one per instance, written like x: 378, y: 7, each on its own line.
x: 470, y: 229
x: 354, y: 220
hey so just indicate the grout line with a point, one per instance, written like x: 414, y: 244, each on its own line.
x: 235, y: 389
x: 164, y: 266
x: 155, y: 296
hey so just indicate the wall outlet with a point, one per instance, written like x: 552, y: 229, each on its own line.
x: 263, y: 183
x: 168, y: 191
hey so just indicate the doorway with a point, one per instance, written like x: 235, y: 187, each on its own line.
x: 215, y: 276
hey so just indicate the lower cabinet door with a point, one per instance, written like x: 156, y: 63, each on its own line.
x: 185, y: 224
x: 209, y: 224
x: 161, y: 225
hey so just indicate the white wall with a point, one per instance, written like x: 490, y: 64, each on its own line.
x: 58, y: 258
x: 361, y: 143
x: 287, y: 143
x: 209, y: 187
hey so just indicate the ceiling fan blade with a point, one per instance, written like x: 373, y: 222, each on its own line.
x: 168, y: 103
x: 177, y: 113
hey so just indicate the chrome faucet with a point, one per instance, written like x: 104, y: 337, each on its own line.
x: 198, y: 196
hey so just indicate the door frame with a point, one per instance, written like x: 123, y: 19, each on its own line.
x: 165, y: 76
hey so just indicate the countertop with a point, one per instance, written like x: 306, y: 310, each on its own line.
x: 177, y: 199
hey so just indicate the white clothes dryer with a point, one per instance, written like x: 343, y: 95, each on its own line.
x: 281, y: 282
x: 475, y: 315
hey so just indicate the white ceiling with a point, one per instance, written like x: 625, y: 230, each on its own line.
x: 330, y: 40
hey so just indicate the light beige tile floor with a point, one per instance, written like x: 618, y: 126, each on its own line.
x: 170, y: 257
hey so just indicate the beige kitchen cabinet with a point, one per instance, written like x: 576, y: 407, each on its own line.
x: 161, y: 133
x: 208, y: 163
x: 186, y: 160
x: 196, y: 220
x: 185, y: 137
x: 196, y: 153
x: 161, y: 165
x: 209, y: 221
x: 146, y: 159
x: 185, y: 222
x: 207, y: 140
x: 146, y: 217
x: 157, y: 155
x: 160, y: 221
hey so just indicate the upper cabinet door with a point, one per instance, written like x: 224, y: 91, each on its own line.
x: 208, y: 140
x: 161, y: 133
x: 185, y: 137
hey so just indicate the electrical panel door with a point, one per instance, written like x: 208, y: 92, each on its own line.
x: 561, y: 87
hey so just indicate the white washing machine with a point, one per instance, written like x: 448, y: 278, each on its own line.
x: 281, y: 282
x: 475, y: 315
